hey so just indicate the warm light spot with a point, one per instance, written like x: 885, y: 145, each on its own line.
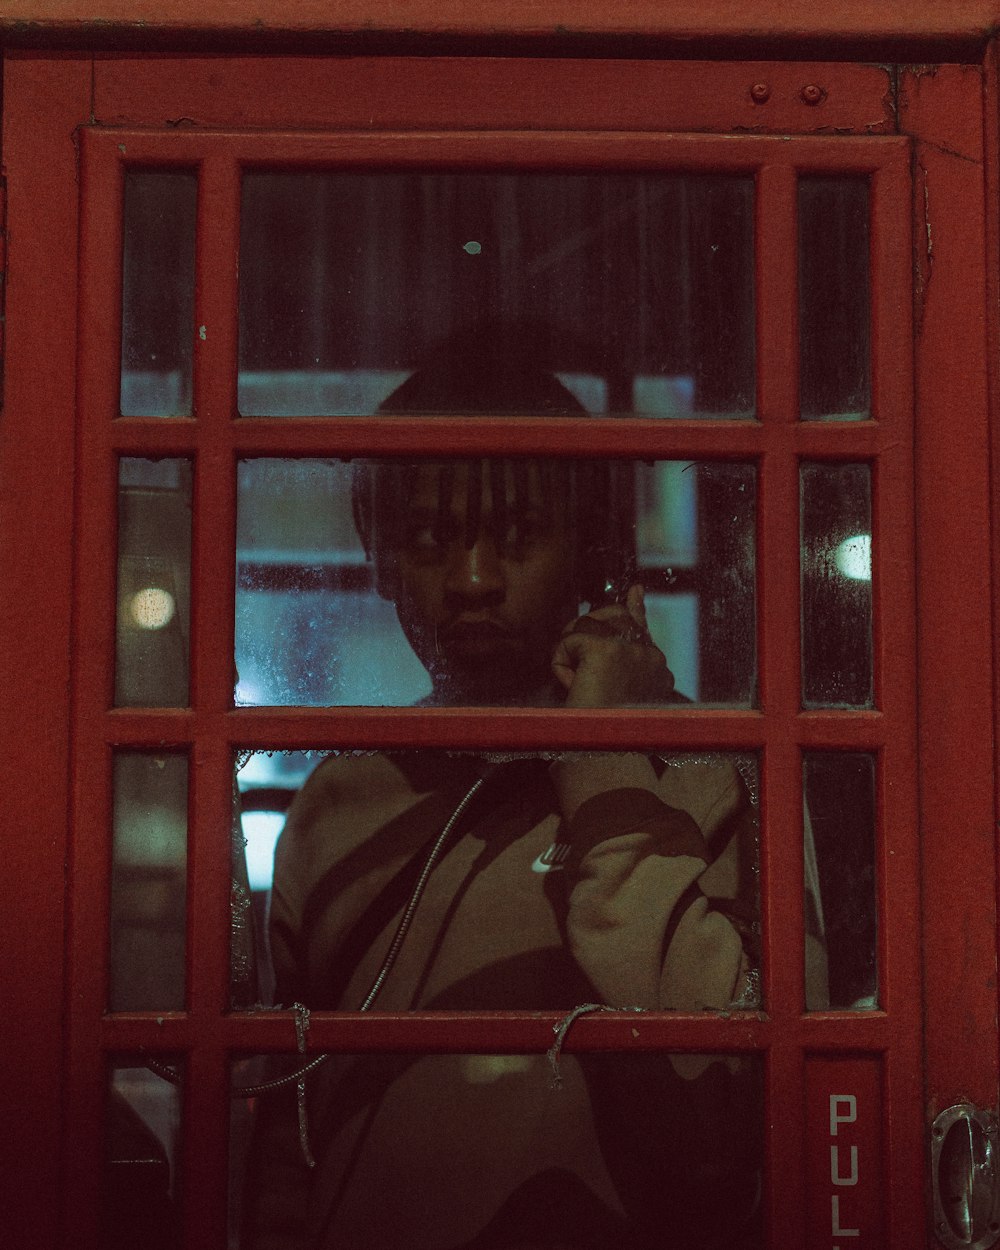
x: 853, y: 557
x: 152, y: 607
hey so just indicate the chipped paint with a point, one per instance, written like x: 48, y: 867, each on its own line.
x: 923, y: 258
x: 203, y: 333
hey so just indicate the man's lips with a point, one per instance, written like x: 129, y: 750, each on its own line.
x: 471, y: 637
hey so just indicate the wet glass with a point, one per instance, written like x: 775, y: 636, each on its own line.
x: 318, y: 623
x: 840, y: 873
x: 141, y: 1199
x: 154, y: 583
x: 836, y: 518
x: 630, y: 293
x: 328, y: 902
x: 148, y: 882
x: 440, y: 1151
x: 834, y: 299
x: 158, y: 293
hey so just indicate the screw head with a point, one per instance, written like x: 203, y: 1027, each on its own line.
x: 760, y: 93
x: 811, y: 94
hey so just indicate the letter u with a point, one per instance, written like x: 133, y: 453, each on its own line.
x: 835, y: 1167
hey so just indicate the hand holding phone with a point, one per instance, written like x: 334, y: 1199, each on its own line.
x: 607, y: 658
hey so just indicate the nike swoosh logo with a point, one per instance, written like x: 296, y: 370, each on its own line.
x: 553, y: 859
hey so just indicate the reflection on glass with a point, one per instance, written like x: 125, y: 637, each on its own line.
x: 488, y: 1151
x: 562, y: 843
x: 836, y: 585
x: 154, y: 579
x: 148, y: 882
x: 141, y: 1198
x: 158, y: 293
x: 834, y: 299
x: 636, y: 290
x: 840, y: 870
x: 476, y: 567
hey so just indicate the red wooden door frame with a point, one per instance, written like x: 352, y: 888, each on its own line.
x: 943, y: 113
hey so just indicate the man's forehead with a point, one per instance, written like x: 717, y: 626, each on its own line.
x: 520, y: 482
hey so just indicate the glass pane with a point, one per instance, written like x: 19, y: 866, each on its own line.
x: 158, y: 293
x: 141, y: 1192
x: 475, y: 570
x: 488, y: 1152
x: 834, y: 299
x: 148, y: 882
x: 840, y: 870
x: 633, y: 879
x: 154, y: 583
x: 836, y: 585
x: 627, y: 293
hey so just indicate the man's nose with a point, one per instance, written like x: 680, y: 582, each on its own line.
x: 475, y: 573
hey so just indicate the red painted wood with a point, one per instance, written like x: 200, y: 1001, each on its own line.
x: 386, y: 93
x: 549, y: 148
x: 370, y: 728
x: 991, y: 140
x: 953, y: 503
x: 508, y: 1031
x: 846, y: 1159
x: 956, y: 769
x: 529, y: 436
x: 41, y: 106
x: 678, y: 19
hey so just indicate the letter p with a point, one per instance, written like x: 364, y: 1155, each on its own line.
x: 843, y: 1110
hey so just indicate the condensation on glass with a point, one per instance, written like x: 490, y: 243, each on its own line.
x: 141, y: 1198
x: 327, y: 903
x: 488, y: 1150
x: 317, y: 624
x: 834, y: 299
x: 632, y: 293
x: 148, y: 882
x: 154, y: 583
x: 836, y: 537
x: 841, y: 874
x: 158, y: 293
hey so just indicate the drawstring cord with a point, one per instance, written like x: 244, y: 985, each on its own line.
x: 298, y: 1077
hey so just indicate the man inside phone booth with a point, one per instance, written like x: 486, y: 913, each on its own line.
x: 543, y: 881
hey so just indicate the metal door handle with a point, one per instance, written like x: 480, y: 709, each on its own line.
x: 965, y: 1177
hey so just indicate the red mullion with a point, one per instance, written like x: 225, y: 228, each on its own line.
x: 891, y: 306
x: 87, y: 964
x: 641, y: 729
x: 90, y: 853
x: 895, y: 665
x: 777, y: 279
x: 205, y: 1145
x: 526, y: 436
x: 508, y: 1031
x: 781, y: 852
x: 899, y: 982
x: 567, y: 437
x: 576, y: 150
x: 102, y: 192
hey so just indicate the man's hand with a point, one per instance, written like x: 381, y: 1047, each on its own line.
x: 608, y: 659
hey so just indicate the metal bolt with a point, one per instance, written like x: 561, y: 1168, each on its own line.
x: 812, y: 94
x: 760, y: 93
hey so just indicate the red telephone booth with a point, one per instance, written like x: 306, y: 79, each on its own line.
x: 764, y: 264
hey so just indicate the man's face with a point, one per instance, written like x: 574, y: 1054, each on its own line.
x: 484, y: 577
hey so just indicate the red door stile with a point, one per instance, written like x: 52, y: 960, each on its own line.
x: 42, y: 103
x: 213, y: 582
x: 206, y: 1034
x: 959, y: 854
